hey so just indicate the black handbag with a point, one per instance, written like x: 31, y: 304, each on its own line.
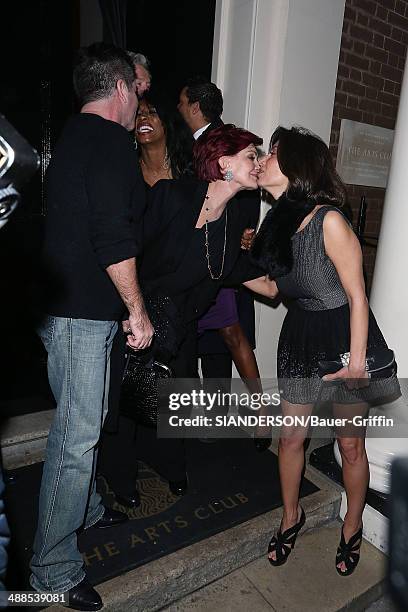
x: 139, y: 393
x: 380, y: 362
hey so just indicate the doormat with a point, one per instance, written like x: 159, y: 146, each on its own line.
x: 229, y: 483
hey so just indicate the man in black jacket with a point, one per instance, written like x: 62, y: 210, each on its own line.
x: 95, y: 199
x: 201, y: 106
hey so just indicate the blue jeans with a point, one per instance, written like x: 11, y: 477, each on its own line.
x: 78, y: 371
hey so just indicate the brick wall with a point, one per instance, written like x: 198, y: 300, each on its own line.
x: 372, y: 58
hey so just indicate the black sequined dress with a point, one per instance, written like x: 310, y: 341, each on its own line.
x: 317, y: 325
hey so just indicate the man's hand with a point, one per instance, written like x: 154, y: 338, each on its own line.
x: 140, y: 331
x: 247, y: 238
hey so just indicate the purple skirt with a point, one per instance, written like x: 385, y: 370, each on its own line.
x: 221, y: 314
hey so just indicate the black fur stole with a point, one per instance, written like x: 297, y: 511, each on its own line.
x: 272, y: 248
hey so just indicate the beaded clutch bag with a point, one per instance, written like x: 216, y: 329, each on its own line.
x: 378, y: 360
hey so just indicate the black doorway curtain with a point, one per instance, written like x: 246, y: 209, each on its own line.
x: 114, y: 21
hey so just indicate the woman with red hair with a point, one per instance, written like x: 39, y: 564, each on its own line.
x: 191, y: 247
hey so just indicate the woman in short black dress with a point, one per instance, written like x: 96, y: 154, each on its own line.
x: 307, y: 245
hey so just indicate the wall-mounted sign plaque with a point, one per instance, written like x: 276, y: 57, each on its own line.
x: 364, y: 153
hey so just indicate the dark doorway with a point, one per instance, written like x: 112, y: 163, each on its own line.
x: 36, y: 98
x: 176, y: 36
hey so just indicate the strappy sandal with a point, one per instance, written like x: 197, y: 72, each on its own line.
x: 284, y: 543
x: 349, y: 552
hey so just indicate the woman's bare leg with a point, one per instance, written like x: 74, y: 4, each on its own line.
x: 291, y: 463
x: 356, y: 474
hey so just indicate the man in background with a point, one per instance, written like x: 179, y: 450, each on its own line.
x: 142, y: 70
x: 201, y: 105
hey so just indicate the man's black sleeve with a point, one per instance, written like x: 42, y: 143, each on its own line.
x: 110, y: 187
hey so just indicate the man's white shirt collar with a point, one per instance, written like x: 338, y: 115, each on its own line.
x: 198, y: 132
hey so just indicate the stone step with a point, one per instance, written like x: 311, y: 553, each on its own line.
x: 236, y: 556
x: 170, y: 578
x: 24, y: 437
x: 308, y: 582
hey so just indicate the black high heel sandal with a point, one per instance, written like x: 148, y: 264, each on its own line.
x: 284, y: 543
x: 349, y: 552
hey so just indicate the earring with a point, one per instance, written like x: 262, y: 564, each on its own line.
x: 228, y: 176
x: 166, y: 162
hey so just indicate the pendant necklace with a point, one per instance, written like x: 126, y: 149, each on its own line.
x: 207, y: 245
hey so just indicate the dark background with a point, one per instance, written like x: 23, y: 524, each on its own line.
x: 177, y: 37
x: 39, y: 40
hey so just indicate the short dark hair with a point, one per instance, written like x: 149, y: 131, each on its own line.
x: 200, y: 89
x: 98, y: 68
x: 305, y: 160
x: 213, y: 144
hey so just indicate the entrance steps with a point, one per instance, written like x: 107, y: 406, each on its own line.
x: 308, y: 582
x: 229, y: 570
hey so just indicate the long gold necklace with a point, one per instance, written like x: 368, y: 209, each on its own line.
x: 207, y: 245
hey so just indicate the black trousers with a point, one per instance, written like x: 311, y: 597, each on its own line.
x: 214, y: 367
x: 118, y: 448
x: 119, y: 453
